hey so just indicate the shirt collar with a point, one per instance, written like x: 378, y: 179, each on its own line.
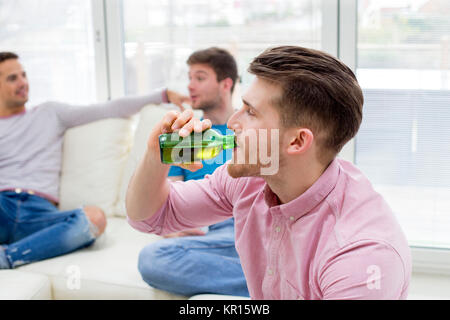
x: 310, y: 198
x: 14, y: 115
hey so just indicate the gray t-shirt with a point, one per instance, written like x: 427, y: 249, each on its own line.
x: 31, y: 142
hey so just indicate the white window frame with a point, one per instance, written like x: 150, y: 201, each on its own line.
x: 108, y: 35
x: 101, y: 66
x: 339, y: 38
x: 424, y: 259
x: 347, y: 35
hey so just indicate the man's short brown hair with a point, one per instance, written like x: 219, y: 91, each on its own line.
x: 318, y: 92
x: 220, y: 60
x: 7, y: 56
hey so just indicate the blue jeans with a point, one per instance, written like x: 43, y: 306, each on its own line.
x: 195, y: 264
x: 32, y: 229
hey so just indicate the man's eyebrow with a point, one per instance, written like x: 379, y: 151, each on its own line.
x: 197, y: 73
x: 201, y: 71
x: 247, y: 103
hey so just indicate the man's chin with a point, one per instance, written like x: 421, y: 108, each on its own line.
x: 243, y: 170
x: 195, y: 105
x: 202, y: 105
x: 17, y: 104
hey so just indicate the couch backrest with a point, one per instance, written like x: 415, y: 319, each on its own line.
x: 94, y: 156
x: 99, y: 159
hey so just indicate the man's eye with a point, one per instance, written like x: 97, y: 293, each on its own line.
x: 250, y: 112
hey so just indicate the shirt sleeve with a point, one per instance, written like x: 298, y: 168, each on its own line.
x: 364, y: 270
x: 72, y: 116
x: 192, y: 204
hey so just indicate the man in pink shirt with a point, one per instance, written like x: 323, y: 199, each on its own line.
x: 308, y: 225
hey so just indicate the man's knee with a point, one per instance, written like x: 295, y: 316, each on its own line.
x: 97, y: 217
x: 158, y: 260
x: 148, y: 261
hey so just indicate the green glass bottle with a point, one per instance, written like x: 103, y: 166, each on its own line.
x: 193, y: 148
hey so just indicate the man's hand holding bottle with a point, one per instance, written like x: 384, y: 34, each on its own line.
x: 184, y: 123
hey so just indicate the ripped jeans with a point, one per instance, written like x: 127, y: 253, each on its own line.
x: 32, y: 229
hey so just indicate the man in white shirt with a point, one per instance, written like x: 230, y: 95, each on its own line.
x: 31, y: 227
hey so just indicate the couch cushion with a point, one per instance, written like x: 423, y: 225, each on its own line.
x: 105, y: 270
x: 94, y: 156
x: 17, y: 285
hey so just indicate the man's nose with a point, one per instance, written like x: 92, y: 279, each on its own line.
x: 23, y: 81
x: 233, y: 122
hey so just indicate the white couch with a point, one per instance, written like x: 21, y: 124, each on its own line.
x: 98, y: 161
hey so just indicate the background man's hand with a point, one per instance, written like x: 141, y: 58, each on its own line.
x: 178, y: 99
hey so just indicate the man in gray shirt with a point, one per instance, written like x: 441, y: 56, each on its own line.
x: 31, y: 227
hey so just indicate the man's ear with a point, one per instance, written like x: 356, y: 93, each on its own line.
x: 300, y: 141
x: 227, y: 84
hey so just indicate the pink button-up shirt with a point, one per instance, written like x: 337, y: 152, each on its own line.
x: 338, y: 240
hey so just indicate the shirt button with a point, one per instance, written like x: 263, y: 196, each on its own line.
x: 277, y: 229
x: 270, y: 272
x: 291, y: 218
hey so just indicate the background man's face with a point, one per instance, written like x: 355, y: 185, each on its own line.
x: 13, y: 84
x: 204, y: 89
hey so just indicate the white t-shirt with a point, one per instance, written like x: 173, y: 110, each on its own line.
x: 31, y: 142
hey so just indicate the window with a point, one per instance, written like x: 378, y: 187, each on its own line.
x: 402, y: 62
x: 54, y: 40
x: 161, y: 34
x: 403, y: 65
